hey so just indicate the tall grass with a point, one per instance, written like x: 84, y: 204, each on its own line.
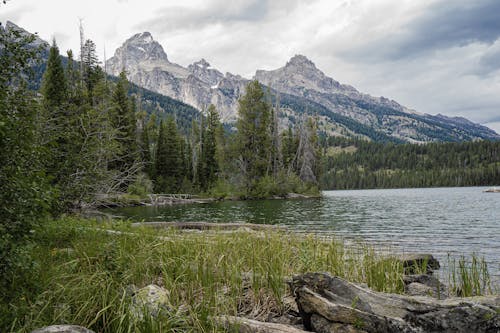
x: 86, y: 274
x: 469, y: 277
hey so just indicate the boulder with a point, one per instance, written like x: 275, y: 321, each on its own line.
x: 330, y: 304
x: 63, y: 329
x: 245, y: 325
x: 151, y: 299
x: 417, y: 263
x: 425, y: 285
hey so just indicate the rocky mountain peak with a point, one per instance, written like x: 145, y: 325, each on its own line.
x: 142, y: 46
x: 202, y: 63
x: 300, y: 60
x: 204, y: 72
x: 141, y: 38
x: 36, y: 43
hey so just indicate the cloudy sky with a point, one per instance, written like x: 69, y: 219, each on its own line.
x: 435, y: 56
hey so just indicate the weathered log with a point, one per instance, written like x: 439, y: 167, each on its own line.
x: 245, y: 325
x: 330, y: 304
x: 204, y: 225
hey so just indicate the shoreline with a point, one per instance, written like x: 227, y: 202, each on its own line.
x: 122, y: 201
x: 212, y: 272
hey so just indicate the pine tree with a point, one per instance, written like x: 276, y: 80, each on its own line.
x: 160, y: 159
x: 209, y: 165
x: 54, y: 86
x: 308, y: 152
x: 91, y: 72
x: 195, y: 138
x: 168, y: 158
x: 123, y: 120
x: 290, y: 145
x: 146, y: 150
x: 253, y: 135
x: 57, y: 127
x: 276, y: 152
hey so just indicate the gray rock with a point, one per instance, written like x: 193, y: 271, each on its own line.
x: 151, y: 299
x: 425, y: 285
x: 63, y: 329
x: 328, y: 304
x: 417, y: 263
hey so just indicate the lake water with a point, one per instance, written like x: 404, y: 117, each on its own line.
x: 441, y: 221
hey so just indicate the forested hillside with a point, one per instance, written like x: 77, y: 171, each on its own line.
x: 355, y: 164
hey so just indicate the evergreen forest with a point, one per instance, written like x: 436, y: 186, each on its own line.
x: 359, y: 164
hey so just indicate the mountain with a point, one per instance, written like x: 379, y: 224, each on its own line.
x: 37, y: 42
x: 198, y: 85
x: 303, y: 88
x: 168, y: 88
x: 300, y: 77
x: 151, y: 102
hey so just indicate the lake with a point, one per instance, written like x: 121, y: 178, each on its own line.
x: 441, y: 221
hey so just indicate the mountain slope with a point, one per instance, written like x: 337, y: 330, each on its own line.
x: 151, y: 102
x: 168, y: 88
x: 199, y: 85
x: 300, y: 77
x: 342, y: 110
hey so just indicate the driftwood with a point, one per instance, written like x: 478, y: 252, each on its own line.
x: 205, y: 225
x: 330, y: 304
x: 245, y: 325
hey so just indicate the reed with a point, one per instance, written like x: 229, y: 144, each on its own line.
x: 469, y: 277
x: 85, y: 274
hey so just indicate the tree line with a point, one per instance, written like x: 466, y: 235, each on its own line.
x: 82, y: 138
x: 360, y: 164
x: 254, y: 160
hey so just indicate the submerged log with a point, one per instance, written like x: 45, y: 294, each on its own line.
x: 204, y: 225
x: 330, y: 304
x: 245, y: 325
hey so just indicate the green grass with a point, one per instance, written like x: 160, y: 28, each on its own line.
x: 469, y: 277
x: 84, y: 275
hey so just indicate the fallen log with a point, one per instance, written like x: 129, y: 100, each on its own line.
x: 245, y: 325
x: 205, y: 225
x: 329, y: 304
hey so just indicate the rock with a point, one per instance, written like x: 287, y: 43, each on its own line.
x: 414, y: 263
x: 287, y: 319
x: 425, y: 285
x: 320, y: 324
x: 330, y: 304
x: 63, y: 329
x: 245, y: 325
x: 151, y: 299
x: 419, y: 289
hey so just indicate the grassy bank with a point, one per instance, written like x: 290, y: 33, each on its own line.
x: 83, y: 275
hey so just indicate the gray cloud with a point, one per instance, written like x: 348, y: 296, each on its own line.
x: 175, y: 18
x: 443, y: 25
x: 490, y: 60
x: 435, y: 56
x: 13, y: 15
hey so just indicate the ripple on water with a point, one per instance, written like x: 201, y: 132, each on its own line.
x: 459, y: 221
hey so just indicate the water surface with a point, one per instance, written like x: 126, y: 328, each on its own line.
x: 441, y: 221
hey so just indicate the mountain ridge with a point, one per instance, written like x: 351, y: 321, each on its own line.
x: 340, y: 109
x: 199, y: 85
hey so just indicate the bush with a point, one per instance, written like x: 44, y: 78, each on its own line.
x: 142, y: 186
